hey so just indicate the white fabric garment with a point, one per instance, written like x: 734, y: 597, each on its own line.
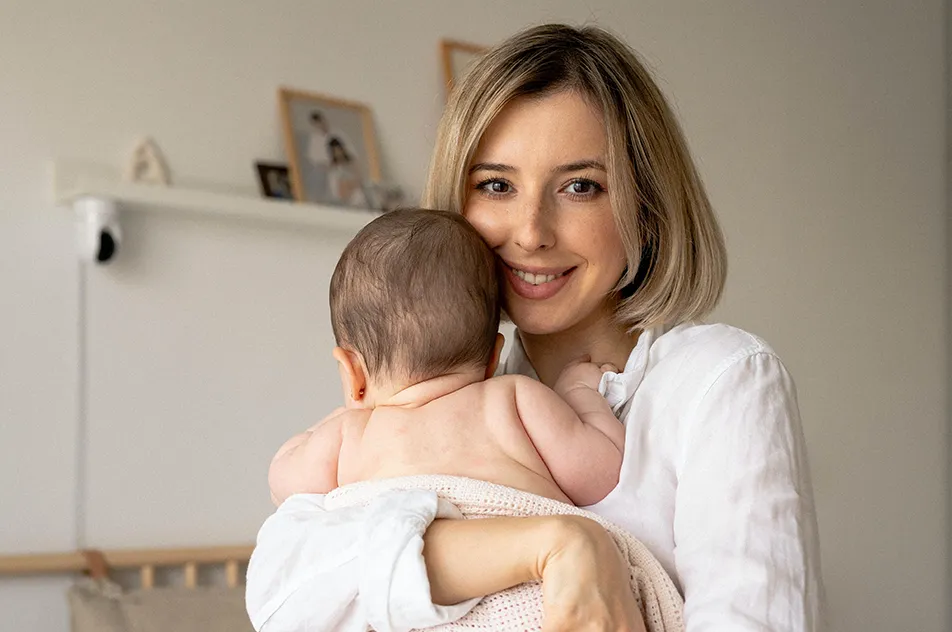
x: 715, y: 480
x: 347, y: 570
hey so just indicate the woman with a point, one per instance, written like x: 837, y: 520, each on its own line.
x: 560, y: 149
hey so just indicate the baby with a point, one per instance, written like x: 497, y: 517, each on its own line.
x: 415, y: 311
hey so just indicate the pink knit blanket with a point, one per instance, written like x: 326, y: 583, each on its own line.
x: 520, y: 608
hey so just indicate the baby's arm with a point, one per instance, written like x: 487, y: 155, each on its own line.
x: 578, y: 386
x: 307, y: 463
x: 574, y: 431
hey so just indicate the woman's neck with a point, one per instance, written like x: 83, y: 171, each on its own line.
x: 603, y: 340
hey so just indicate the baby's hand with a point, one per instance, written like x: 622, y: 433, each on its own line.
x: 581, y: 373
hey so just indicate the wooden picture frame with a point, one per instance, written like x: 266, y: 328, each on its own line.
x: 331, y: 147
x: 456, y: 56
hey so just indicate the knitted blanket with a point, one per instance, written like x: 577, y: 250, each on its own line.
x: 520, y: 608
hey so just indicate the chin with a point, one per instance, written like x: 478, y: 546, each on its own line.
x: 538, y: 322
x: 551, y: 317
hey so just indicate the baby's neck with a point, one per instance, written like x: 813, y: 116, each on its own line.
x: 421, y: 393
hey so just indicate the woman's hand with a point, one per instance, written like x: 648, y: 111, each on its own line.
x: 585, y: 583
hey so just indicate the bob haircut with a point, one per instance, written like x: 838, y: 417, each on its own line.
x: 677, y: 262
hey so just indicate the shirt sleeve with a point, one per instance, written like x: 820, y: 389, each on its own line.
x: 349, y: 569
x: 746, y: 547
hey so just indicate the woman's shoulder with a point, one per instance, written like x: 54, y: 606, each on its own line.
x: 707, y: 344
x: 719, y: 377
x: 687, y: 359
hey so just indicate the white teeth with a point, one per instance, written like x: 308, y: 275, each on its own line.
x: 536, y: 279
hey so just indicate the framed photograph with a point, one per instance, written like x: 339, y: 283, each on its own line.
x: 274, y: 180
x: 456, y: 57
x: 331, y: 146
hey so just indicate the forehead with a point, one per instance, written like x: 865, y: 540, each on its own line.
x: 552, y: 129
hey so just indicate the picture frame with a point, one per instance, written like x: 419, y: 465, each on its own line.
x: 274, y: 180
x: 456, y: 56
x: 331, y: 148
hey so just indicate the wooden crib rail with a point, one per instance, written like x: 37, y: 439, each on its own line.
x: 98, y: 563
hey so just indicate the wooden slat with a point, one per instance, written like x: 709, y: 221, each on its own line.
x: 43, y: 563
x: 176, y: 557
x: 231, y: 573
x: 147, y: 576
x: 191, y: 575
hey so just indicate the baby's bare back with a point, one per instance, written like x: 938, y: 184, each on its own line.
x: 474, y: 432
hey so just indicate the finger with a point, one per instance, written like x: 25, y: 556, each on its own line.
x: 609, y: 367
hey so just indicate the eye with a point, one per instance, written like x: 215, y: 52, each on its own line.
x: 494, y: 186
x: 580, y: 187
x: 583, y: 188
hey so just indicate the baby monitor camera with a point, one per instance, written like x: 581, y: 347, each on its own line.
x: 99, y: 232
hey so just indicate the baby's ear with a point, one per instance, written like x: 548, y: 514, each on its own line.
x: 353, y: 376
x: 497, y: 352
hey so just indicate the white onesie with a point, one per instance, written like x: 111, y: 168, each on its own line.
x: 349, y: 569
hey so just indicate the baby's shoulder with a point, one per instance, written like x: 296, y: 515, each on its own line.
x: 355, y: 418
x: 495, y: 391
x: 509, y: 384
x: 523, y: 393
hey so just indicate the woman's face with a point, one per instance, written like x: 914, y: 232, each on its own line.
x: 538, y: 194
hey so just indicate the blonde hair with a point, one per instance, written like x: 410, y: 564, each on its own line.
x: 416, y: 293
x: 677, y: 262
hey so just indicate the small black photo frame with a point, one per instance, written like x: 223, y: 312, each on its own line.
x: 274, y: 180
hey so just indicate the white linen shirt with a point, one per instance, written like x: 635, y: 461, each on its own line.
x: 715, y: 480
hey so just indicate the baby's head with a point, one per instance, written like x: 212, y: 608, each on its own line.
x: 415, y: 296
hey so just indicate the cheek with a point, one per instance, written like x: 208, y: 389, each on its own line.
x: 615, y: 249
x: 605, y: 244
x: 488, y: 222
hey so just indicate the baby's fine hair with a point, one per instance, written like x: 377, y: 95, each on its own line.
x: 416, y: 293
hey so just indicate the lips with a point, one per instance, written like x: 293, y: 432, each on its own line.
x: 536, y: 279
x: 536, y: 283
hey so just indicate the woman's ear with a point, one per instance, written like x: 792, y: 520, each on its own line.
x: 494, y: 360
x: 353, y: 377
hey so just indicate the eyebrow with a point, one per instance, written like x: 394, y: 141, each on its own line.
x: 579, y: 165
x: 491, y: 166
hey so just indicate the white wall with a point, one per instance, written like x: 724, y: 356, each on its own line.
x: 819, y: 128
x: 948, y: 289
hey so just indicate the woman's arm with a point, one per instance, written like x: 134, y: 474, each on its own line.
x: 585, y: 581
x: 746, y: 546
x: 364, y: 565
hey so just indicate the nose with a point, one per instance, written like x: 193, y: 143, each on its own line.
x: 532, y: 227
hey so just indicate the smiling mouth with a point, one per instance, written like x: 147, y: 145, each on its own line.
x: 533, y: 278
